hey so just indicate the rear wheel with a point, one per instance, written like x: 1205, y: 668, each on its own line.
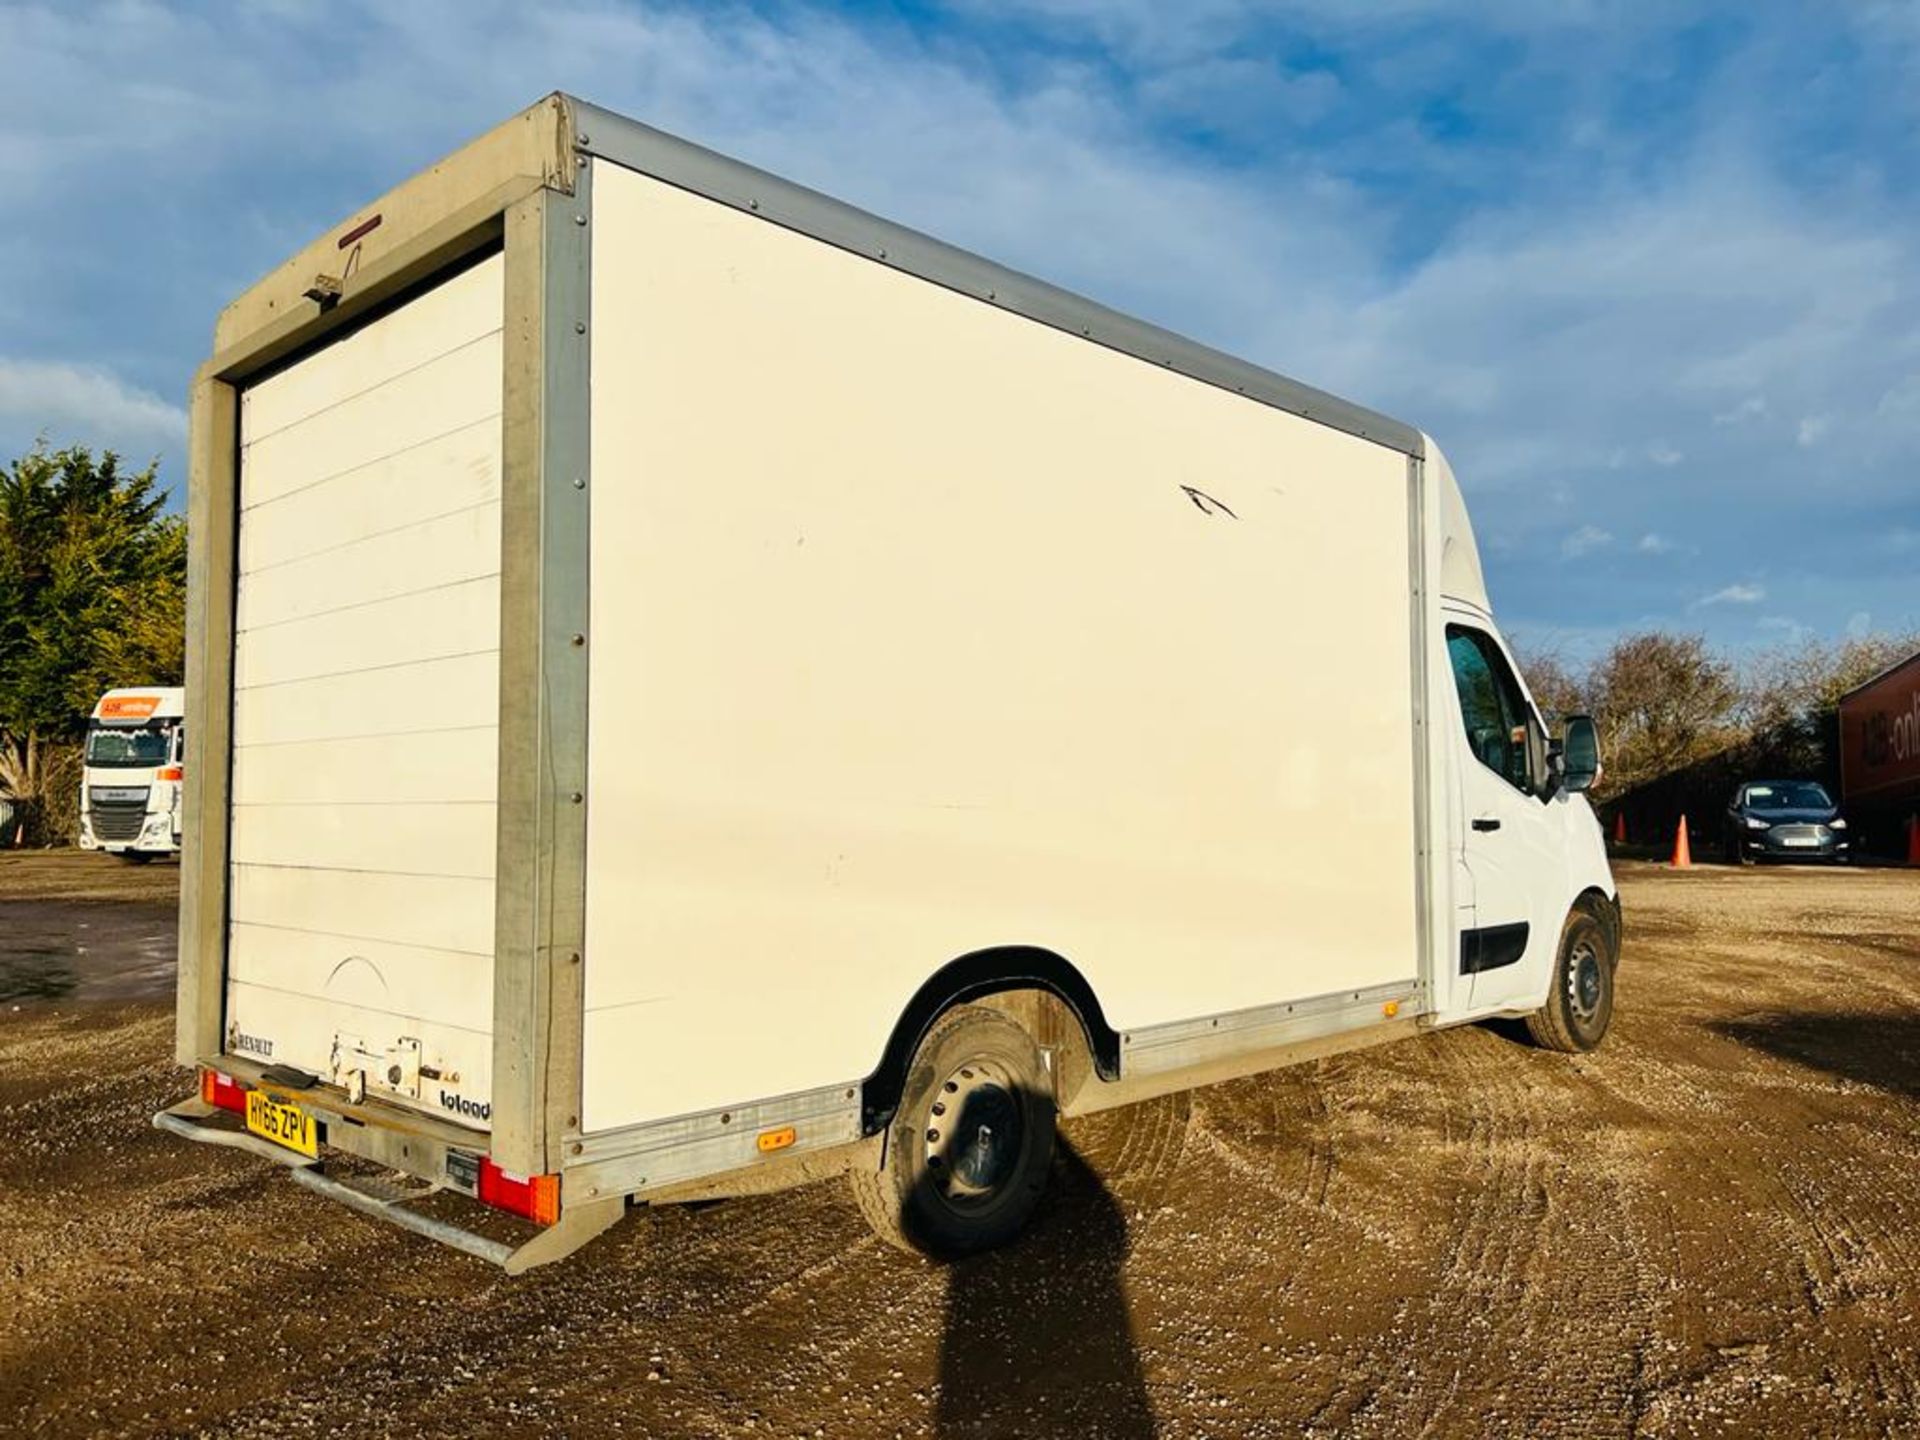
x: 967, y: 1152
x: 1579, y: 1007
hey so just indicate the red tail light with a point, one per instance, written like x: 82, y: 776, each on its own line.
x: 533, y: 1197
x: 223, y: 1092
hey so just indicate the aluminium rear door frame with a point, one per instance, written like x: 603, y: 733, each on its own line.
x: 520, y: 189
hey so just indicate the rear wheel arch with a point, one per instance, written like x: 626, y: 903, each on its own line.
x: 972, y: 979
x: 968, y: 1151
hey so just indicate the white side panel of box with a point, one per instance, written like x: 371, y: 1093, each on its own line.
x: 366, y: 698
x: 919, y: 628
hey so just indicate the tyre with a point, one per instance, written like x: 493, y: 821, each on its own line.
x: 968, y: 1151
x: 1579, y: 1007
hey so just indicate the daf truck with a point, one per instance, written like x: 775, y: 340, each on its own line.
x: 694, y: 688
x: 134, y: 767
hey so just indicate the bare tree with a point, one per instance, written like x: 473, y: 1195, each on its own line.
x: 1556, y: 689
x: 1799, y: 686
x: 1664, y: 702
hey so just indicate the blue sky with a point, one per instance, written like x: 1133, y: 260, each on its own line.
x: 1650, y: 273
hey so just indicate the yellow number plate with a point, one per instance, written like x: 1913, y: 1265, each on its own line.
x: 286, y: 1125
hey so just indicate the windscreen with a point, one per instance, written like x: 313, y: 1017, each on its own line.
x: 1788, y: 795
x: 144, y: 746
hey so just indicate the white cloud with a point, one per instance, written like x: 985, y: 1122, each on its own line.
x: 1230, y: 93
x: 1138, y: 29
x: 1902, y: 398
x: 1623, y: 311
x: 1142, y: 30
x: 1811, y: 429
x: 1665, y: 456
x: 1653, y: 543
x: 1584, y: 541
x: 1734, y: 595
x: 1751, y: 408
x: 86, y: 403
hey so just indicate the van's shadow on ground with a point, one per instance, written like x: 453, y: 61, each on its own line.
x: 1879, y: 1050
x: 1508, y: 1028
x: 1038, y: 1341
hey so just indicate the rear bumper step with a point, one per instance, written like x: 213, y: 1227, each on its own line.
x: 385, y: 1200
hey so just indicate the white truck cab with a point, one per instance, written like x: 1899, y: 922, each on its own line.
x: 1529, y: 855
x: 135, y: 767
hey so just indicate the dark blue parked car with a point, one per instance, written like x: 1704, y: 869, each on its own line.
x: 1784, y: 820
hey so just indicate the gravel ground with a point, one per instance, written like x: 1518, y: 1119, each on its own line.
x: 1709, y: 1227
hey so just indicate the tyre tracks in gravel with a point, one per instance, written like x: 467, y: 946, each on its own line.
x: 1799, y: 1214
x: 1524, y: 1229
x: 648, y: 1321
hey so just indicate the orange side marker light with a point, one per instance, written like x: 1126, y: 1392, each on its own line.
x: 772, y: 1140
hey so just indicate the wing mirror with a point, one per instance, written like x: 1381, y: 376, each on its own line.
x: 1575, y: 758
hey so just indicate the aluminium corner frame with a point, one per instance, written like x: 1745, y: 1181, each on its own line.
x: 540, y: 919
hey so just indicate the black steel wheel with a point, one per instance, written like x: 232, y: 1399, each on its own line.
x: 1579, y: 1008
x: 967, y: 1153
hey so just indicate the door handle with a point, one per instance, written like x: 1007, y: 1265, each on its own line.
x: 1486, y: 823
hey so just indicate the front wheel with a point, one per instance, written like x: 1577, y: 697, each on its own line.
x: 968, y: 1151
x: 137, y: 857
x: 1579, y: 1007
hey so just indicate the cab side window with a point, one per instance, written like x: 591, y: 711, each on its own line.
x: 1498, y: 722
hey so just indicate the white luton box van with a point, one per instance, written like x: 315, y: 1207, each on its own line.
x: 693, y: 687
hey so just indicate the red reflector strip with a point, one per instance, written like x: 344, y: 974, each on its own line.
x: 223, y: 1092
x: 533, y: 1197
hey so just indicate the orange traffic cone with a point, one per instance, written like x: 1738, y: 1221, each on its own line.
x: 1682, y: 854
x: 1619, y: 827
x: 1913, y: 840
